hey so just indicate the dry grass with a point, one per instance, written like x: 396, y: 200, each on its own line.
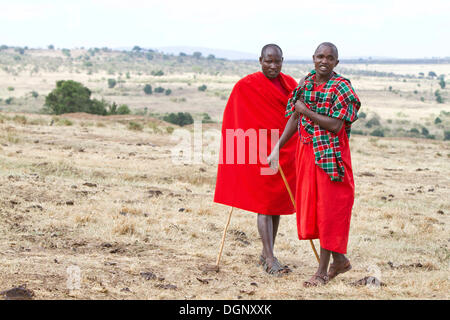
x: 109, y: 200
x: 101, y: 194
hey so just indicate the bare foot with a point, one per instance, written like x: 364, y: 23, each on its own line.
x: 338, y: 268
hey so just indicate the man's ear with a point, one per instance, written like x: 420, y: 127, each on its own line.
x: 260, y: 60
x: 337, y: 62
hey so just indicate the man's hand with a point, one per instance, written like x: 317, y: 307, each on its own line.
x: 273, y: 158
x: 300, y: 107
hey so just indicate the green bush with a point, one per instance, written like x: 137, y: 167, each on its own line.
x: 34, y: 94
x: 112, y: 83
x: 71, y: 96
x: 202, y: 88
x: 180, y: 118
x: 157, y: 73
x: 439, y: 98
x: 66, y: 52
x: 359, y: 132
x: 168, y: 92
x: 377, y: 132
x: 135, y: 126
x: 362, y: 115
x: 9, y: 100
x: 148, y: 89
x: 63, y: 122
x: 373, y: 122
x: 10, y: 88
x: 159, y: 89
x: 123, y: 109
x: 447, y: 135
x: 169, y: 130
x: 207, y: 118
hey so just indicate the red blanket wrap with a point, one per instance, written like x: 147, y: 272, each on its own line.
x: 255, y: 114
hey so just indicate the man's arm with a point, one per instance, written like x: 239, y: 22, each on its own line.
x: 328, y: 123
x: 289, y: 130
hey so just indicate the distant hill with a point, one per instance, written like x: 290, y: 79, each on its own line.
x: 218, y: 53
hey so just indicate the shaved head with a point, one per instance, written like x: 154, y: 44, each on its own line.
x: 271, y: 45
x: 329, y: 45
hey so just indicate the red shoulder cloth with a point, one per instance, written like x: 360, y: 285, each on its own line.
x: 255, y: 114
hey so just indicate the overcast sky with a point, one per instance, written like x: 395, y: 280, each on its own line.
x: 377, y: 28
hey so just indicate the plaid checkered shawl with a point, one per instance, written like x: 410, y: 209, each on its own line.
x: 336, y: 99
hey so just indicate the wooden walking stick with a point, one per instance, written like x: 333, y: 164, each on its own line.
x: 293, y: 202
x: 223, y: 239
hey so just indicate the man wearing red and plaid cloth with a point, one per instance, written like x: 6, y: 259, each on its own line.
x: 323, y: 107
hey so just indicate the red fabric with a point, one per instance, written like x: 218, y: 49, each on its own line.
x: 256, y: 103
x: 277, y: 82
x: 323, y: 206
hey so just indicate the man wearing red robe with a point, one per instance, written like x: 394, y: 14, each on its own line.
x: 252, y: 121
x: 322, y: 109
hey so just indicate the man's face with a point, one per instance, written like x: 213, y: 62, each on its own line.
x: 271, y: 62
x: 325, y: 60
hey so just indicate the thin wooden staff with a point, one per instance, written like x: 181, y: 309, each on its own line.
x: 223, y: 239
x: 293, y: 202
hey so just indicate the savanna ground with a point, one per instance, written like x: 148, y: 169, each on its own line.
x: 106, y: 196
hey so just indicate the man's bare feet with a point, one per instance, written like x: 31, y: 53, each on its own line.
x: 338, y: 268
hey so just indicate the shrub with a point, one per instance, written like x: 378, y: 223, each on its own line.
x: 148, y: 89
x: 112, y: 83
x: 202, y: 88
x: 207, y: 118
x: 10, y: 88
x: 356, y: 131
x: 66, y: 52
x: 34, y: 94
x: 20, y: 119
x: 9, y: 100
x: 157, y: 73
x: 71, y: 96
x: 123, y: 109
x: 159, y: 89
x: 180, y: 118
x: 362, y: 115
x: 134, y: 126
x: 439, y: 98
x: 170, y: 130
x: 373, y: 122
x: 63, y: 122
x: 425, y: 131
x: 447, y: 135
x: 437, y: 120
x: 168, y: 92
x: 377, y: 132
